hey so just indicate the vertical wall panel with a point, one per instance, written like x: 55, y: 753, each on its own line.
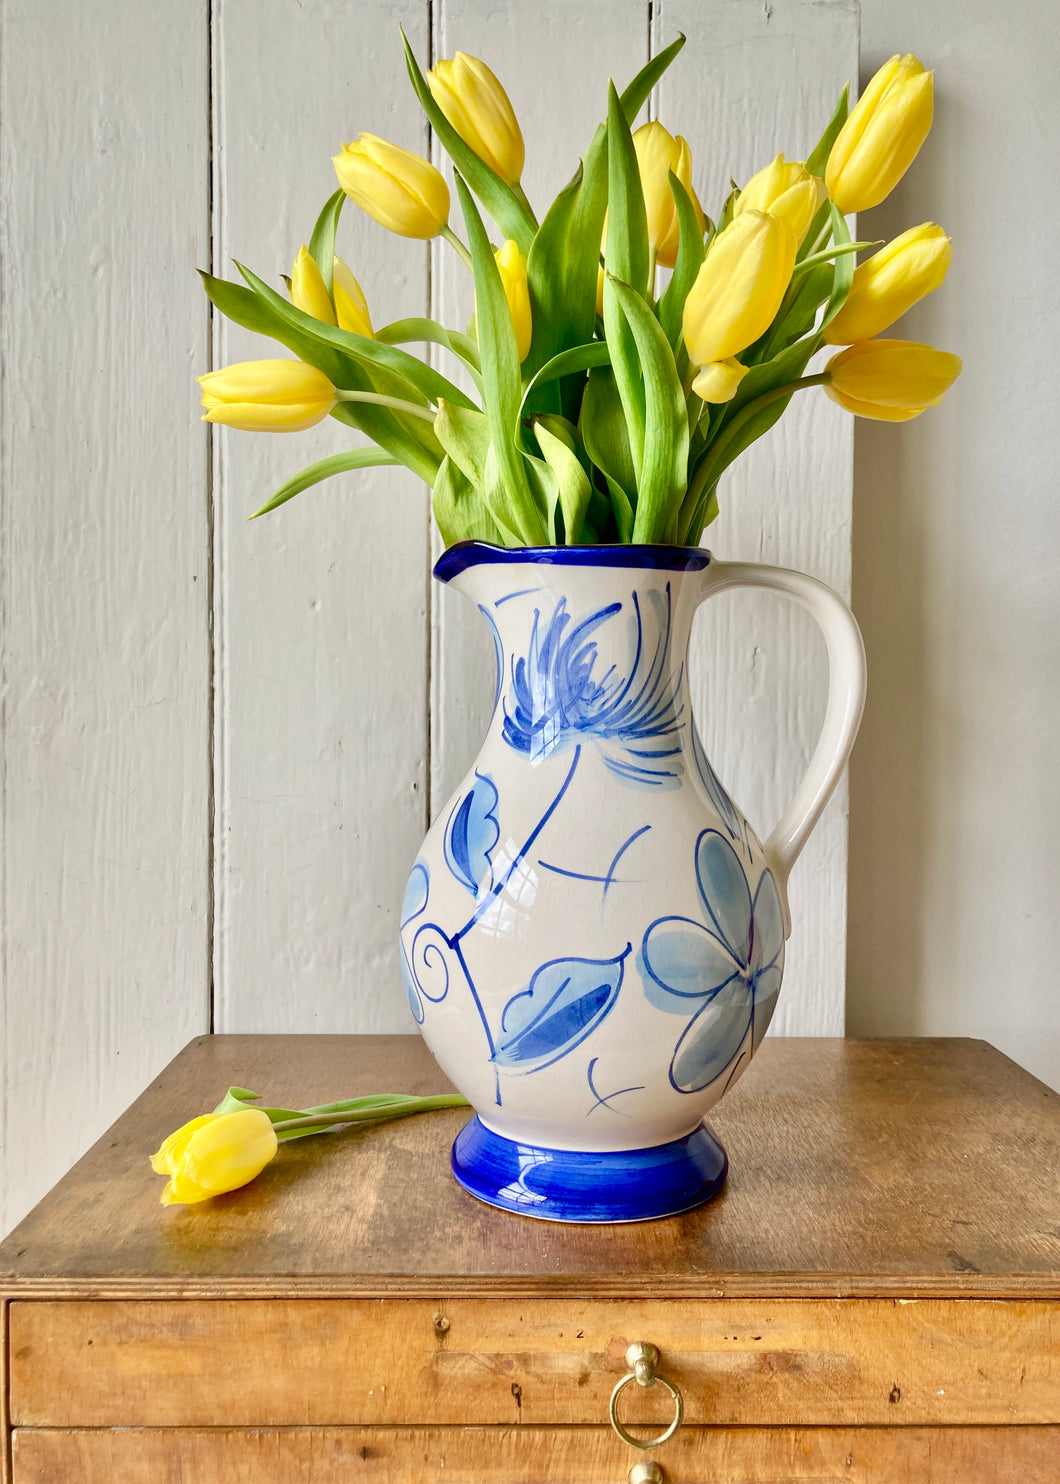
x: 105, y: 578
x: 321, y: 607
x: 755, y: 80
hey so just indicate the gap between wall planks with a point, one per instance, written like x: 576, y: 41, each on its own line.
x: 105, y: 575
x: 751, y: 81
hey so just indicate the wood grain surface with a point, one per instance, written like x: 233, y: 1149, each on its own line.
x: 323, y: 1362
x: 890, y: 1168
x: 965, y: 1455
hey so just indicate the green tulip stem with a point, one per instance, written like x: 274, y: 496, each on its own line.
x: 383, y: 1111
x: 454, y: 242
x: 713, y: 464
x: 827, y: 253
x: 410, y: 409
x: 652, y: 254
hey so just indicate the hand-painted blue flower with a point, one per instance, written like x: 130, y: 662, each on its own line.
x: 731, y: 968
x: 556, y: 696
x: 413, y: 905
x: 565, y: 1001
x: 471, y: 835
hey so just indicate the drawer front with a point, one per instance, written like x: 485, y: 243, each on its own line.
x: 980, y: 1455
x: 542, y: 1362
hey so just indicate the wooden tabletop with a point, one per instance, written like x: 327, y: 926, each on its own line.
x: 904, y: 1168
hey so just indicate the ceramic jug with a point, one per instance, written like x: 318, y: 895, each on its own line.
x: 592, y: 935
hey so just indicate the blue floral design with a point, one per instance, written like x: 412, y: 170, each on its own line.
x: 471, y: 835
x: 731, y: 967
x: 556, y: 695
x: 564, y: 1002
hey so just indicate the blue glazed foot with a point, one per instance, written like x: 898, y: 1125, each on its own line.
x: 575, y: 1185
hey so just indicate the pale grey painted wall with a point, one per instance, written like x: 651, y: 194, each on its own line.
x: 955, y: 785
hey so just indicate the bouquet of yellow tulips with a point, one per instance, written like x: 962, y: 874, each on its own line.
x: 604, y: 408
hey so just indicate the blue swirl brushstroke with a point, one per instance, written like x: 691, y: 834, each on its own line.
x: 556, y: 695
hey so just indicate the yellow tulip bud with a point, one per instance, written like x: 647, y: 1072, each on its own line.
x: 214, y: 1153
x: 718, y: 381
x: 784, y: 188
x: 658, y: 152
x: 351, y: 307
x: 403, y: 191
x: 307, y: 288
x: 891, y: 282
x: 513, y: 276
x: 739, y: 287
x: 891, y: 380
x: 882, y: 136
x: 480, y: 111
x: 600, y: 291
x: 267, y: 396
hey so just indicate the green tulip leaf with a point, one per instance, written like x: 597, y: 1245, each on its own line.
x: 509, y: 516
x: 545, y: 486
x: 622, y: 510
x: 638, y: 91
x: 626, y: 257
x: 818, y: 158
x: 690, y: 255
x: 465, y: 436
x: 507, y: 207
x: 501, y: 382
x: 567, y: 434
x: 602, y: 426
x: 337, y: 463
x: 460, y: 512
x: 574, y: 486
x: 557, y: 318
x: 408, y: 331
x: 843, y: 273
x: 567, y: 362
x: 322, y: 242
x: 664, y: 466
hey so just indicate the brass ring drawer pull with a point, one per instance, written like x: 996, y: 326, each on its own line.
x: 642, y: 1359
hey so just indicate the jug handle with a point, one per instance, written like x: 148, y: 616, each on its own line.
x: 846, y: 702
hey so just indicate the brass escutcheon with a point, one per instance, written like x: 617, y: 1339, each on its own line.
x: 642, y: 1359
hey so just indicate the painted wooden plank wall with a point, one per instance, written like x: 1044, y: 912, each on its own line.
x: 222, y: 742
x: 105, y: 566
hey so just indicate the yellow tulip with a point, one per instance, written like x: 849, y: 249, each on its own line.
x: 784, y: 188
x: 658, y: 152
x: 214, y: 1153
x: 882, y: 136
x: 718, y: 381
x: 891, y: 282
x: 737, y: 293
x: 513, y: 276
x: 402, y: 191
x: 267, y: 396
x: 351, y: 307
x: 481, y: 113
x: 890, y: 380
x: 308, y: 292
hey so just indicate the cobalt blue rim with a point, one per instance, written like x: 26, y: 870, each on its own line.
x: 583, y: 1186
x: 465, y: 554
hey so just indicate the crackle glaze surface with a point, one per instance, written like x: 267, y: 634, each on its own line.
x: 592, y: 940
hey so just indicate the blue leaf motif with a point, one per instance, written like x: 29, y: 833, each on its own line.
x: 566, y: 1000
x: 472, y: 833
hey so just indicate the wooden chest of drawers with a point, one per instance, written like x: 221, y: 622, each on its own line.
x: 875, y: 1296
